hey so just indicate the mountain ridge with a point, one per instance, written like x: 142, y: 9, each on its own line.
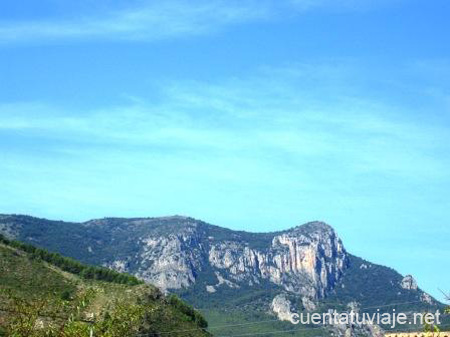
x: 210, y: 265
x: 166, y: 217
x: 46, y: 294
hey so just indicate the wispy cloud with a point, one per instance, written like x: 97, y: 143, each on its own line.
x: 155, y: 20
x: 305, y: 114
x: 149, y: 21
x: 299, y: 142
x: 340, y: 5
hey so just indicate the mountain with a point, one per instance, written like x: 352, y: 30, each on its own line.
x: 230, y: 275
x: 46, y: 294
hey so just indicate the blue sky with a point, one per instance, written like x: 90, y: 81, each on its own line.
x: 255, y: 115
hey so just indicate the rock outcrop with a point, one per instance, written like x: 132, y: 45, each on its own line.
x: 304, y: 268
x: 173, y: 261
x: 426, y: 298
x: 282, y: 307
x: 409, y: 283
x: 307, y: 260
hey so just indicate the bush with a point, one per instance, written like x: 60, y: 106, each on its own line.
x: 72, y: 266
x: 189, y: 311
x: 66, y: 295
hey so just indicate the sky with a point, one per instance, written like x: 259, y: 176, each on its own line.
x: 252, y: 115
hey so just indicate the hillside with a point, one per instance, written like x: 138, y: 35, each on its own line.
x: 232, y: 276
x: 40, y: 299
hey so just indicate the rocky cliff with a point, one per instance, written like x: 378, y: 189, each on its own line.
x: 307, y: 260
x: 303, y: 268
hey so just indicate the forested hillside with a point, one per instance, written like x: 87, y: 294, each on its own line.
x: 46, y: 294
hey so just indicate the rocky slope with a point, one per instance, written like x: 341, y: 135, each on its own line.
x: 170, y: 252
x: 41, y: 296
x: 208, y: 265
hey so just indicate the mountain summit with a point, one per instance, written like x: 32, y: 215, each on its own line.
x: 305, y: 267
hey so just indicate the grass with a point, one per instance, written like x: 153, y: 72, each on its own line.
x: 26, y: 280
x: 239, y: 322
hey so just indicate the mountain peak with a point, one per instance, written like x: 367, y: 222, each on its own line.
x: 313, y: 227
x: 211, y: 265
x: 316, y: 226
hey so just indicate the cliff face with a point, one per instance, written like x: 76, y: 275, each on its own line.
x: 307, y: 260
x: 409, y: 283
x: 172, y: 261
x: 303, y: 268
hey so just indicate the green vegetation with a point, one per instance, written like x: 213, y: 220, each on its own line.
x: 241, y: 322
x: 98, y: 242
x: 72, y: 266
x: 38, y: 298
x: 187, y: 310
x: 243, y: 310
x: 363, y: 282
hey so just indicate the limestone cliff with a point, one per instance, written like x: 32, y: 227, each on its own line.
x: 307, y: 260
x: 305, y: 268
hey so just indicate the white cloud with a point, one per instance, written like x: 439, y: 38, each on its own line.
x: 341, y: 5
x: 154, y: 20
x: 300, y: 115
x: 151, y: 21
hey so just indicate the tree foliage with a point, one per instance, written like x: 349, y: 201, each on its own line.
x: 187, y: 310
x: 71, y: 265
